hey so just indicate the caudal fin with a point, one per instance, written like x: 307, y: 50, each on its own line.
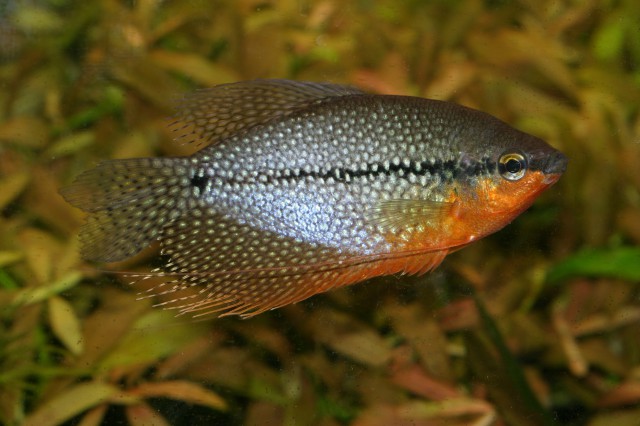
x: 128, y: 201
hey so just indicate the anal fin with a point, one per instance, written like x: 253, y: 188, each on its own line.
x: 218, y: 265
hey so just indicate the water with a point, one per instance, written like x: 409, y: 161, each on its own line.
x: 85, y: 82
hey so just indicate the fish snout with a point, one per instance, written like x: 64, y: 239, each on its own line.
x: 556, y: 164
x: 554, y: 167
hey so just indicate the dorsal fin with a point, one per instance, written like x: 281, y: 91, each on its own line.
x: 210, y: 115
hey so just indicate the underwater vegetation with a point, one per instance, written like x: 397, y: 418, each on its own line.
x: 535, y: 324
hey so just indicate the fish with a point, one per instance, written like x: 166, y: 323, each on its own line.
x: 297, y: 188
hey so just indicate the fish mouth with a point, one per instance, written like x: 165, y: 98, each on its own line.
x: 551, y: 178
x: 552, y: 166
x: 555, y: 165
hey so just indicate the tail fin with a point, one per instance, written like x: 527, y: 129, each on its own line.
x: 129, y: 201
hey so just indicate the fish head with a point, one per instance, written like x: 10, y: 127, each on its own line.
x: 525, y: 166
x: 520, y: 167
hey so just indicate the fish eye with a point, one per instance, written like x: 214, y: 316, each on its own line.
x: 512, y: 166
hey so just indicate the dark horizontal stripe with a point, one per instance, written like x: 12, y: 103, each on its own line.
x: 446, y: 170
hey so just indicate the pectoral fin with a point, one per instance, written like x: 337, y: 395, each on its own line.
x: 398, y: 214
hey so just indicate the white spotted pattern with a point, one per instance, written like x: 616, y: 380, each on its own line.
x: 283, y: 202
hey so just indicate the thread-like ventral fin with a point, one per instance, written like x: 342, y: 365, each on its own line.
x: 211, y: 115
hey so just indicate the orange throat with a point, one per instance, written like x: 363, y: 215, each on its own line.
x: 493, y: 205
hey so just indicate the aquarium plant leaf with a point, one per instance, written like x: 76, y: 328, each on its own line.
x: 621, y: 262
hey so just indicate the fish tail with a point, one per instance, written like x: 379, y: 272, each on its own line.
x: 128, y: 201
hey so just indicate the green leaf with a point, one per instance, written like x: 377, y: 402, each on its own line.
x: 622, y: 263
x: 38, y: 20
x: 32, y: 295
x: 65, y: 324
x: 72, y: 402
x: 8, y: 257
x: 609, y: 39
x: 181, y: 390
x: 12, y: 186
x: 154, y: 336
x: 71, y: 143
x: 112, y: 102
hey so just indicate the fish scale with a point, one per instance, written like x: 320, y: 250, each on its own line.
x: 328, y: 138
x: 304, y: 207
x: 302, y: 187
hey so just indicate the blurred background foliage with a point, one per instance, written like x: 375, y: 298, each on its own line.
x: 538, y: 324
